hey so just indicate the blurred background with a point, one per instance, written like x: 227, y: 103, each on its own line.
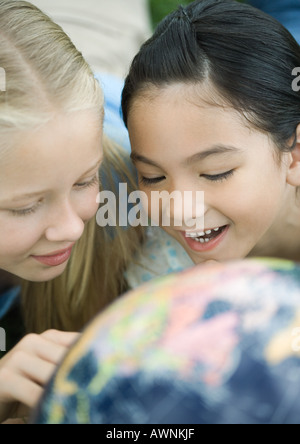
x: 160, y: 8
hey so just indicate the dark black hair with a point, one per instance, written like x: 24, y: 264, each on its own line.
x: 247, y: 55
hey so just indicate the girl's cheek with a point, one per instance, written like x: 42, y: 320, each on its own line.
x: 20, y: 234
x: 18, y: 237
x: 88, y: 205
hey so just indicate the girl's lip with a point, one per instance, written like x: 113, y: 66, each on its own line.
x: 197, y: 246
x: 56, y: 258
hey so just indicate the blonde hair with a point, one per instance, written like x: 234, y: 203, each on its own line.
x: 45, y: 74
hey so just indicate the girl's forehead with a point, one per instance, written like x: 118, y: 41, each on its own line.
x: 202, y: 94
x: 177, y: 114
x: 67, y: 143
x: 189, y: 103
x: 171, y: 127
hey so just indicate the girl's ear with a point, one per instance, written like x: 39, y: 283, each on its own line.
x: 293, y: 173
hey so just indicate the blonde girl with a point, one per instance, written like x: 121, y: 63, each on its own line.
x: 51, y: 149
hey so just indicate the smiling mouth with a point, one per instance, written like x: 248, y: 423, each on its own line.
x: 55, y: 259
x: 205, y: 236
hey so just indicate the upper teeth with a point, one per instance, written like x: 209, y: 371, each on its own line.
x: 201, y: 233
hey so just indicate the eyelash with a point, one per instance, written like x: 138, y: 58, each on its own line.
x: 91, y: 183
x: 212, y: 178
x: 81, y: 186
x: 147, y: 181
x: 26, y: 211
x: 218, y: 177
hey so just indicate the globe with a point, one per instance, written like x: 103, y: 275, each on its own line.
x: 216, y: 344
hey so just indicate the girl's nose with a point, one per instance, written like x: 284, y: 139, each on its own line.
x: 65, y: 226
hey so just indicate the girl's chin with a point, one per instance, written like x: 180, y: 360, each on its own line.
x: 46, y: 275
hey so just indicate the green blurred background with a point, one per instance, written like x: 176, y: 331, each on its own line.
x: 160, y: 8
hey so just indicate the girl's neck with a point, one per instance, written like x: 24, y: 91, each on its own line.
x: 282, y: 240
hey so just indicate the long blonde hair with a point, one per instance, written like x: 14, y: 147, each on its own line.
x: 44, y: 74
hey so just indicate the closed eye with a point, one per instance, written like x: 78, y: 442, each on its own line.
x: 155, y: 180
x: 218, y: 177
x: 88, y: 183
x: 27, y: 211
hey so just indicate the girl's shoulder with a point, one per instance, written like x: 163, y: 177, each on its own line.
x: 8, y: 299
x: 160, y: 255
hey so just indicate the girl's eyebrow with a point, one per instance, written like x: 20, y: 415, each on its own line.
x: 135, y: 157
x: 213, y: 151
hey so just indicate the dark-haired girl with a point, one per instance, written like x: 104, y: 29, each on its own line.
x: 212, y: 104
